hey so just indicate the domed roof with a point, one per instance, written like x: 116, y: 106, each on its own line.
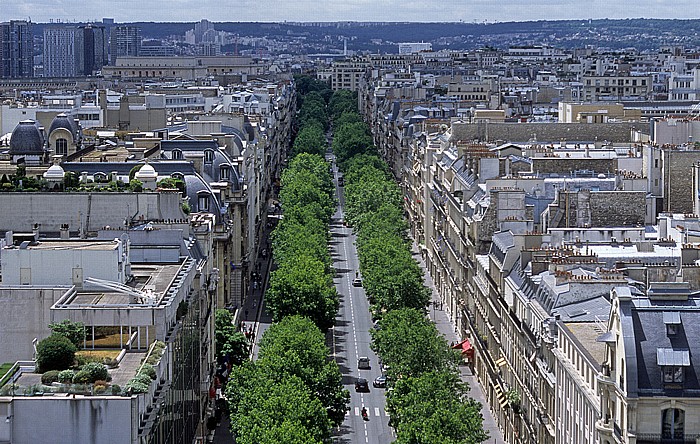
x: 147, y: 172
x: 55, y: 172
x: 65, y: 122
x: 26, y: 139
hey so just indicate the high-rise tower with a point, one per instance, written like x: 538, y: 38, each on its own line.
x: 16, y: 49
x: 124, y: 41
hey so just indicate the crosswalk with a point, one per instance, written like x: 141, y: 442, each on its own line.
x: 371, y: 411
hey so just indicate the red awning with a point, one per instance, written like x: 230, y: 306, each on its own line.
x: 465, y: 346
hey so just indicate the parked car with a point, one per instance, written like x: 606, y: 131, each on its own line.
x: 341, y: 181
x: 379, y: 381
x: 363, y: 363
x: 357, y: 282
x: 361, y: 385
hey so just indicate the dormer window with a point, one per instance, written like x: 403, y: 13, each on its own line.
x: 61, y: 147
x: 208, y: 156
x: 672, y: 320
x: 176, y: 154
x: 673, y: 375
x: 672, y: 364
x: 225, y: 173
x: 203, y: 201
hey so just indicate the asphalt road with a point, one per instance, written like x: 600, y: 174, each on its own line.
x: 351, y: 340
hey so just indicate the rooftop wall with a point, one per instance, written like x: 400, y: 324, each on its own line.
x: 545, y: 132
x: 91, y: 210
x: 25, y: 315
x: 97, y: 420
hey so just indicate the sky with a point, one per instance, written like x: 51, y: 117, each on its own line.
x: 470, y: 11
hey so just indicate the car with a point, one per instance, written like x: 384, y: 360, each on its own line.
x: 357, y: 282
x: 341, y: 181
x: 379, y: 381
x: 363, y: 363
x: 361, y: 385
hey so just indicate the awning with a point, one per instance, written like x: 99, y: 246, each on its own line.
x: 466, y: 347
x: 672, y: 317
x: 500, y: 395
x: 608, y: 337
x: 666, y: 357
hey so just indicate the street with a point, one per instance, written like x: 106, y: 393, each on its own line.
x: 351, y: 340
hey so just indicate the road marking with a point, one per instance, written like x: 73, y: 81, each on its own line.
x: 357, y: 411
x: 376, y: 411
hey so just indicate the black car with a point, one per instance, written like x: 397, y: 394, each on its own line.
x: 361, y: 385
x: 379, y: 381
x: 341, y: 181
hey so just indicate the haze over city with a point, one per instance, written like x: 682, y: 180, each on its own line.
x: 341, y: 10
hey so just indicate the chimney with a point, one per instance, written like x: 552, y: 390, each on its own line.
x: 65, y: 233
x: 663, y: 227
x: 197, y: 158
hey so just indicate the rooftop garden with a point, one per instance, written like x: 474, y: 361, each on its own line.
x: 66, y: 369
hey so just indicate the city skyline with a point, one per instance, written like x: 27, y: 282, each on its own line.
x: 42, y: 11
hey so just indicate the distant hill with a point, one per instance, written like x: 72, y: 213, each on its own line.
x: 639, y: 33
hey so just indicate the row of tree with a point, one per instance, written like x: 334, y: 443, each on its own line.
x: 293, y: 393
x: 303, y: 282
x: 428, y: 402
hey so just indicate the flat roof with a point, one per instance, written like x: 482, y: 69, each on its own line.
x: 73, y: 245
x: 587, y: 333
x: 154, y: 277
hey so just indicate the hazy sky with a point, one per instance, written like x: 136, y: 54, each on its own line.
x: 336, y: 10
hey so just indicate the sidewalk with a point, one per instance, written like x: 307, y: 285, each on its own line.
x: 444, y: 326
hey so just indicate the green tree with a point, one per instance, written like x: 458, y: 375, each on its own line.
x: 74, y: 331
x: 350, y: 140
x: 310, y: 139
x: 230, y: 343
x: 55, y: 353
x: 434, y: 409
x: 296, y: 346
x: 302, y: 287
x: 259, y: 404
x: 411, y: 345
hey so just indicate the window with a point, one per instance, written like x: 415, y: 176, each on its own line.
x: 224, y: 173
x: 203, y: 202
x: 208, y: 156
x: 672, y: 424
x: 671, y: 329
x: 672, y: 374
x: 61, y: 147
x: 176, y: 154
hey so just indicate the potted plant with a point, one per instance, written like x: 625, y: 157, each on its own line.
x: 513, y: 398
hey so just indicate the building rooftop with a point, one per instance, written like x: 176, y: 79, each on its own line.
x: 587, y: 333
x: 153, y: 279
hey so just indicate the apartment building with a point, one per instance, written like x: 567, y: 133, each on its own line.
x: 152, y: 282
x: 616, y: 87
x: 16, y: 49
